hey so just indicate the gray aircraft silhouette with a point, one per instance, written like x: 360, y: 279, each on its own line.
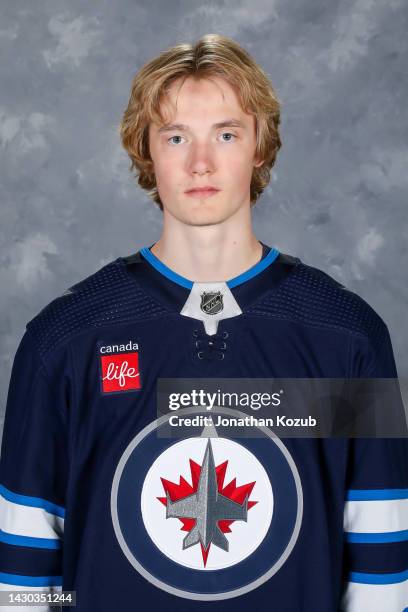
x: 207, y: 506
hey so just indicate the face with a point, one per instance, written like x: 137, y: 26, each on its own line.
x: 206, y: 140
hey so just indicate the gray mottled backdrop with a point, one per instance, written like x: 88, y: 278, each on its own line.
x: 338, y: 194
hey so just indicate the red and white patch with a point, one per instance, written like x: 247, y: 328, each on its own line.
x: 120, y: 372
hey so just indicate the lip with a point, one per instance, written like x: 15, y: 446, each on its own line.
x: 202, y: 192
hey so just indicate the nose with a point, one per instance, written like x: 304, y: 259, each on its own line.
x: 201, y: 158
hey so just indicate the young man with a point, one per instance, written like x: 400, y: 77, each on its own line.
x: 94, y: 499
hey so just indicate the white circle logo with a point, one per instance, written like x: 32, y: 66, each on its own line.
x: 207, y: 503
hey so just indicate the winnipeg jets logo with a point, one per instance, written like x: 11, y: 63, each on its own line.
x: 211, y: 303
x: 209, y: 510
x: 219, y: 503
x: 206, y: 518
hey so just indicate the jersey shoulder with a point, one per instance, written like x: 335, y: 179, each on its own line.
x: 310, y: 296
x: 109, y: 296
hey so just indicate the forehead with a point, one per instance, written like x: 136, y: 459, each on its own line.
x: 199, y: 98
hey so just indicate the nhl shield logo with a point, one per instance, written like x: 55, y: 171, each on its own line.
x: 190, y: 510
x: 211, y: 302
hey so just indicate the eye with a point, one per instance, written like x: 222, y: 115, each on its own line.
x: 171, y: 138
x: 228, y: 134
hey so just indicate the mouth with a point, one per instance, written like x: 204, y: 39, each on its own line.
x: 205, y: 192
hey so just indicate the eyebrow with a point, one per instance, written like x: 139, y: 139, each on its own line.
x: 180, y: 126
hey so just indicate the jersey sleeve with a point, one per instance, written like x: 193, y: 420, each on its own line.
x: 33, y: 477
x: 376, y: 505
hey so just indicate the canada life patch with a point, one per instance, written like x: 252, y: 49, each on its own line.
x: 206, y: 518
x: 119, y: 367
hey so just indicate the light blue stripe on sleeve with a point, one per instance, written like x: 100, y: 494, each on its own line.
x: 376, y: 494
x: 363, y: 578
x: 35, y: 581
x: 376, y: 538
x: 34, y: 502
x: 18, y: 540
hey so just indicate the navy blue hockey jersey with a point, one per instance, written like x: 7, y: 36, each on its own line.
x: 94, y: 501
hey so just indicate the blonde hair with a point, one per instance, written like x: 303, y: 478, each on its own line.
x: 211, y: 55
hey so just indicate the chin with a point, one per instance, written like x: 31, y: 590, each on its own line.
x: 201, y: 218
x: 204, y: 214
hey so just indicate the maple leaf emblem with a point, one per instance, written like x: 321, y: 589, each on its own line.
x: 206, y: 507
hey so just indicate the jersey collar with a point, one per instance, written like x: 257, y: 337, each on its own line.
x: 172, y: 289
x: 188, y: 284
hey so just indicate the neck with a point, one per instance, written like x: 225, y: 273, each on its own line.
x: 209, y: 253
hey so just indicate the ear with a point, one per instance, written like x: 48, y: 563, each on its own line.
x: 150, y: 166
x: 257, y: 162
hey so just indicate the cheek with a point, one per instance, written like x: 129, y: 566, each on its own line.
x: 168, y: 162
x: 238, y: 168
x: 165, y: 167
x: 168, y: 179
